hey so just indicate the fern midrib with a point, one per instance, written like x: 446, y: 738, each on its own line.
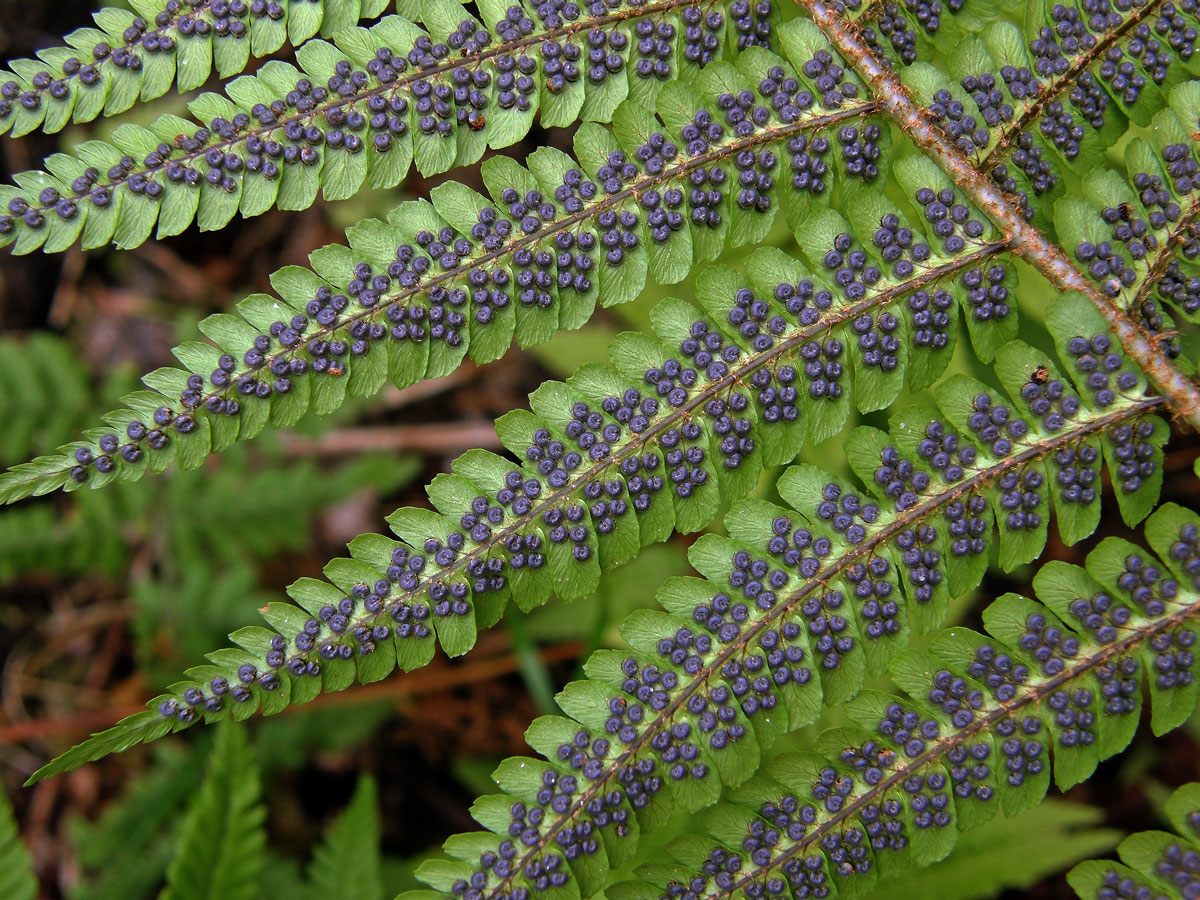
x: 901, y: 521
x: 1028, y: 242
x: 611, y: 201
x: 1166, y: 256
x: 981, y: 723
x: 1056, y: 87
x: 336, y: 102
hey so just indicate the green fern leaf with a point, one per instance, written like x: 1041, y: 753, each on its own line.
x: 134, y: 56
x: 347, y: 863
x: 412, y: 296
x: 221, y: 848
x: 608, y: 470
x: 17, y: 881
x: 358, y: 111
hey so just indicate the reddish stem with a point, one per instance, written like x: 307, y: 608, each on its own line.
x: 892, y: 98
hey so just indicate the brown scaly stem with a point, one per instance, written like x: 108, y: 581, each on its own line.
x: 1027, y: 242
x: 1064, y: 81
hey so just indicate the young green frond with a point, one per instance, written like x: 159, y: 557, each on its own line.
x: 981, y: 720
x: 1153, y: 863
x: 362, y: 110
x: 132, y: 56
x: 618, y: 458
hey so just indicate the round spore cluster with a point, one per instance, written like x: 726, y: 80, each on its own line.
x: 1102, y: 367
x: 751, y: 19
x: 944, y: 451
x: 898, y: 246
x: 1135, y: 453
x: 994, y: 425
x: 1051, y: 402
x: 931, y: 317
x: 1020, y: 499
x: 960, y: 126
x: 987, y: 292
x: 831, y: 634
x: 1024, y: 754
x: 950, y: 219
x: 1076, y: 471
x: 893, y: 24
x: 654, y: 48
x: 355, y: 108
x: 850, y: 268
x: 177, y: 19
x: 823, y: 368
x: 860, y: 151
x: 1186, y: 551
x: 832, y: 86
x: 701, y: 34
x: 989, y: 99
x: 1052, y: 648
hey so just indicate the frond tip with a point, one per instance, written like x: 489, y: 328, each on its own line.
x: 467, y: 273
x: 132, y: 56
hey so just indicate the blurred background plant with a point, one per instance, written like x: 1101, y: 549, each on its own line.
x: 103, y: 596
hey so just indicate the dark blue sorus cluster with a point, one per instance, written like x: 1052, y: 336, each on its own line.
x: 434, y: 87
x: 179, y: 19
x: 380, y: 304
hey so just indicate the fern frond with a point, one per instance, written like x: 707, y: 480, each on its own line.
x: 220, y: 851
x: 364, y: 108
x: 1029, y: 105
x: 411, y: 297
x: 980, y: 722
x: 1157, y: 864
x: 17, y: 881
x: 608, y: 470
x: 347, y: 863
x: 133, y: 56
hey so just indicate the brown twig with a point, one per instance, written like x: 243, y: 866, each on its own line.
x: 434, y: 438
x: 1028, y: 242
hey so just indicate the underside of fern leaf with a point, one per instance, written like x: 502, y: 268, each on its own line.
x: 619, y: 458
x: 133, y: 56
x: 981, y: 723
x: 360, y: 111
x: 410, y: 297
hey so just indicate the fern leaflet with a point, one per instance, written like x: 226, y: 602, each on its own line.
x: 1155, y: 863
x: 361, y: 111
